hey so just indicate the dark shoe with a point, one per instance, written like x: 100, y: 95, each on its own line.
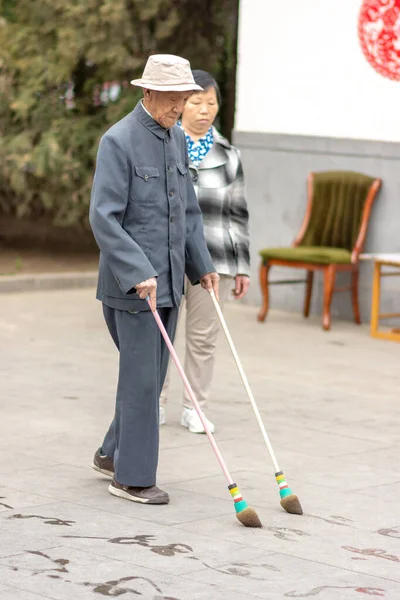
x: 144, y: 495
x: 103, y: 464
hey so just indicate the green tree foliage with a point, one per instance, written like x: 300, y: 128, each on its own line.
x: 47, y: 148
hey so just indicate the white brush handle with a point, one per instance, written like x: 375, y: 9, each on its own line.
x: 245, y: 382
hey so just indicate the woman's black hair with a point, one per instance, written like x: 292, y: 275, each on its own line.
x: 206, y: 81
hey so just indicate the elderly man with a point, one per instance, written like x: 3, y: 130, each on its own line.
x: 148, y: 226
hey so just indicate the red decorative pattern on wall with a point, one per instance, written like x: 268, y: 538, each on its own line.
x: 379, y: 34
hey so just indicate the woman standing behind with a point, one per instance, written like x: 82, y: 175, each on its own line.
x: 217, y: 176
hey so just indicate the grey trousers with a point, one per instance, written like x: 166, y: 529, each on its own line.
x: 133, y: 437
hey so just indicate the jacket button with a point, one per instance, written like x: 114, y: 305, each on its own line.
x: 146, y: 177
x: 195, y: 178
x: 171, y: 219
x: 171, y: 193
x: 170, y: 245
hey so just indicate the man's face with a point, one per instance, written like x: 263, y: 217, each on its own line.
x: 165, y: 107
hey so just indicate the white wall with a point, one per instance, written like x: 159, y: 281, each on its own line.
x: 301, y: 71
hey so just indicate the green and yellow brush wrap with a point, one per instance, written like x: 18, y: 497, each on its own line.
x: 289, y: 501
x: 244, y: 513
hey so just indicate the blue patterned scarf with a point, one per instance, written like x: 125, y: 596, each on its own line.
x: 198, y: 150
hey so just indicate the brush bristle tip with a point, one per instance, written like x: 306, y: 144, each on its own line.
x: 249, y: 518
x: 292, y: 505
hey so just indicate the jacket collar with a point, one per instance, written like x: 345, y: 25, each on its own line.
x: 219, y: 139
x: 147, y: 120
x: 217, y: 155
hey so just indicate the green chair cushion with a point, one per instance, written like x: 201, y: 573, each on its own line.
x: 311, y: 254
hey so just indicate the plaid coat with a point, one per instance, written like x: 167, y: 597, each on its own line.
x: 219, y: 185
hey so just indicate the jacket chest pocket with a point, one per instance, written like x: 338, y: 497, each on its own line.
x: 146, y: 185
x: 182, y: 181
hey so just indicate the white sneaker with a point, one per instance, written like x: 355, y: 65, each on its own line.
x: 191, y: 420
x: 162, y: 417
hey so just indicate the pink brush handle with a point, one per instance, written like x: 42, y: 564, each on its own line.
x: 191, y: 395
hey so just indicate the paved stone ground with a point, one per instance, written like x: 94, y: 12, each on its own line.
x: 329, y: 400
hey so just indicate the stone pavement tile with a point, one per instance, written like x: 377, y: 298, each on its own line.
x: 76, y: 484
x: 324, y: 400
x: 126, y: 539
x: 186, y: 589
x: 15, y: 499
x: 383, y: 458
x: 12, y: 543
x: 350, y: 508
x: 279, y: 576
x: 67, y: 573
x: 256, y: 488
x: 65, y: 447
x: 22, y: 461
x: 284, y: 373
x: 183, y: 506
x: 62, y: 482
x: 313, y: 417
x: 175, y: 465
x: 173, y: 435
x: 283, y: 435
x: 63, y: 573
x: 319, y: 541
x: 56, y: 428
x: 389, y: 492
x: 320, y: 443
x: 382, y: 426
x: 368, y: 513
x: 350, y: 417
x: 329, y: 472
x: 13, y: 593
x: 336, y: 472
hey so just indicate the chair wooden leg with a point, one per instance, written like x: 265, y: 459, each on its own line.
x: 354, y: 295
x: 264, y: 269
x: 329, y: 284
x: 309, y: 286
x: 376, y: 298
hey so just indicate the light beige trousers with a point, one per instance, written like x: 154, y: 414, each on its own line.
x: 202, y: 327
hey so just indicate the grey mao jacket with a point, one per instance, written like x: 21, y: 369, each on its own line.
x: 144, y: 213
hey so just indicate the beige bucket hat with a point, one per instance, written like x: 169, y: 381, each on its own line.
x: 166, y: 73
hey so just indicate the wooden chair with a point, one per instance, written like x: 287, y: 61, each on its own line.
x: 330, y: 239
